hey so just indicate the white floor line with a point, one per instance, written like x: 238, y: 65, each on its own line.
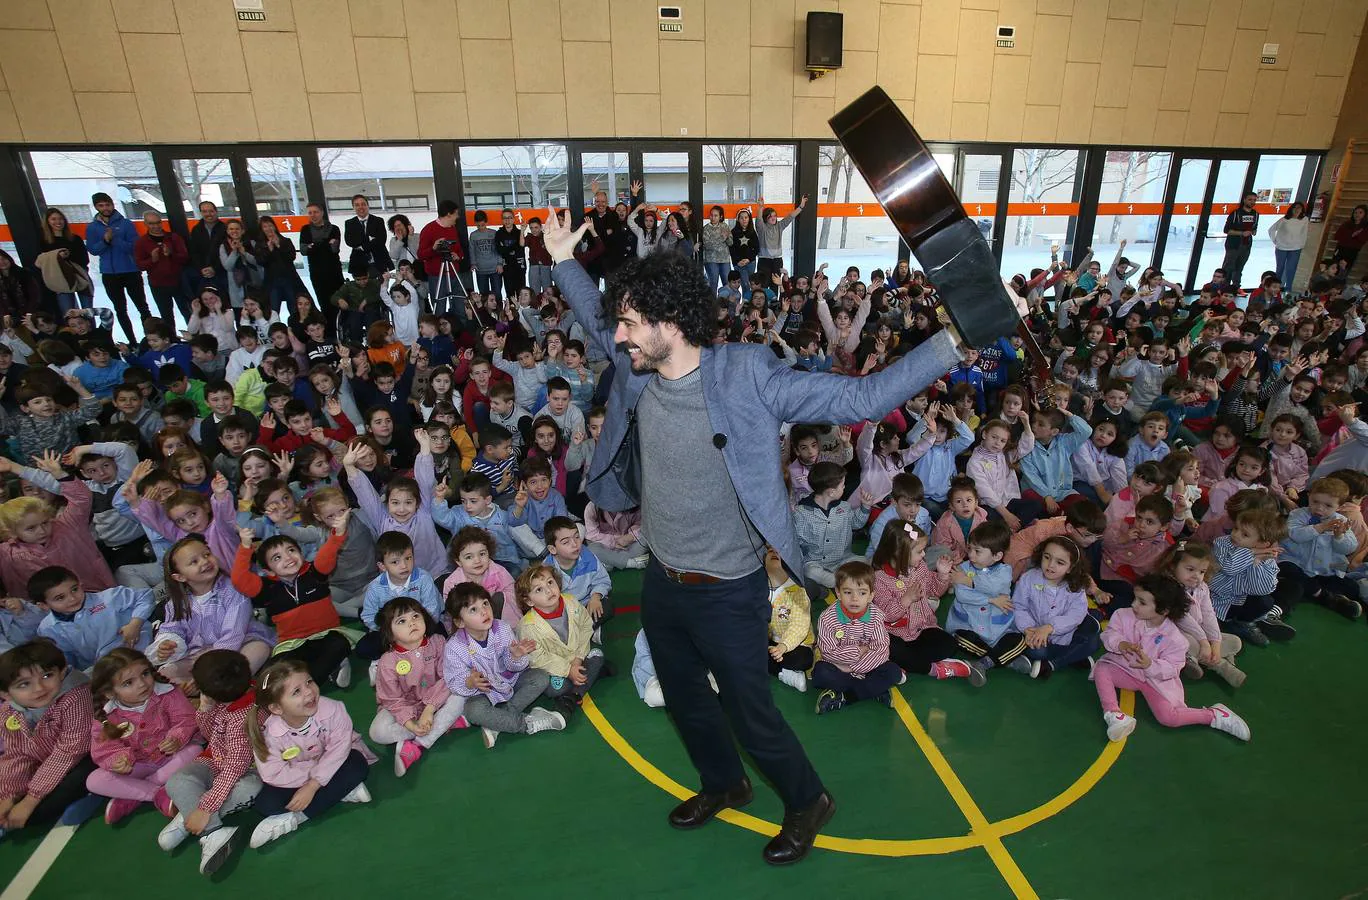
x: 38, y: 864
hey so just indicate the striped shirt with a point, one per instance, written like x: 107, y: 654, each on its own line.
x: 926, y: 586
x: 860, y: 644
x: 1239, y: 576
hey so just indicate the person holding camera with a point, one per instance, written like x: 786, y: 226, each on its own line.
x: 439, y: 250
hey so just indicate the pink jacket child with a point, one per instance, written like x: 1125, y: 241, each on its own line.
x: 877, y: 470
x: 407, y: 682
x: 496, y: 580
x: 125, y: 742
x: 315, y: 750
x: 950, y: 535
x: 1127, y: 558
x: 221, y: 533
x: 993, y: 474
x: 70, y: 543
x: 1159, y: 682
x: 1122, y: 508
x: 1212, y: 462
x: 1291, y: 467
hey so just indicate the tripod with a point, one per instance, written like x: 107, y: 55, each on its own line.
x: 449, y: 287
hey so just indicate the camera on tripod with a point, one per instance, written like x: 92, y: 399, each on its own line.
x: 443, y: 248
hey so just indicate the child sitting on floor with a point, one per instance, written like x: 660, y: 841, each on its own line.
x: 981, y: 617
x: 854, y: 642
x: 1192, y: 564
x: 1050, y: 606
x: 562, y: 631
x: 790, y: 625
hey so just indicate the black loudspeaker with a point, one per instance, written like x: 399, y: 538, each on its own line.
x: 824, y: 40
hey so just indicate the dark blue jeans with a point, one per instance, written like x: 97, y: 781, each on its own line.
x: 723, y: 628
x: 828, y: 677
x: 271, y: 800
x: 1086, y: 640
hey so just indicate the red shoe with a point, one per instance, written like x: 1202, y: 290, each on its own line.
x: 459, y: 723
x: 162, y: 801
x: 117, y: 809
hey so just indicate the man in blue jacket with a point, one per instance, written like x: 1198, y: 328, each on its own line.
x: 691, y: 435
x: 111, y: 237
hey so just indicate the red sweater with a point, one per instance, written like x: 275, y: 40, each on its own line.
x: 290, y: 442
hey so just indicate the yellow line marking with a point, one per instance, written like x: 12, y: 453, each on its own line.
x: 866, y: 846
x: 873, y: 846
x: 978, y: 822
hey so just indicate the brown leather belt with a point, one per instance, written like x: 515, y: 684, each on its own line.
x: 679, y: 577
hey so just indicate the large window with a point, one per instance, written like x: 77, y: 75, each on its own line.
x: 978, y: 189
x: 1276, y: 181
x: 521, y: 177
x: 1230, y: 179
x: 852, y: 229
x: 750, y: 176
x: 68, y: 178
x: 1042, y: 206
x: 393, y: 179
x: 208, y: 179
x: 607, y: 172
x: 1193, y: 175
x: 1130, y: 204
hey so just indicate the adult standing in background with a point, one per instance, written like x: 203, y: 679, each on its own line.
x: 716, y: 238
x: 69, y: 264
x: 439, y: 245
x: 1240, y: 227
x: 1288, y: 235
x: 690, y: 437
x: 163, y: 256
x: 365, y: 234
x: 111, y: 237
x: 1351, y: 236
x: 205, y: 237
x: 320, y: 241
x: 403, y: 243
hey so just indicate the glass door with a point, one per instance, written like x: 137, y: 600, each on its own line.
x: 1230, y: 184
x: 608, y: 172
x: 977, y: 182
x: 1185, y: 219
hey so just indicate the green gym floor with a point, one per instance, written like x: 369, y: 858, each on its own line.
x: 1011, y: 790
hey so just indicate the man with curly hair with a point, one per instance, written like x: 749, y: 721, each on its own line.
x: 692, y: 437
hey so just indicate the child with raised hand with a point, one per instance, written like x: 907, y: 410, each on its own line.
x: 86, y: 626
x: 407, y: 506
x: 485, y: 663
x: 104, y: 467
x: 295, y: 597
x: 1193, y: 565
x: 562, y: 631
x: 1132, y: 546
x: 329, y: 509
x: 221, y: 781
x: 1247, y: 575
x: 46, y: 710
x: 416, y: 708
x: 144, y: 732
x: 472, y: 552
x: 37, y: 536
x: 398, y: 577
x: 1050, y: 606
x: 1316, y: 550
x: 275, y: 511
x: 790, y: 626
x: 991, y: 467
x: 1181, y: 471
x: 177, y: 514
x: 307, y: 754
x: 907, y: 592
x: 477, y: 508
x: 203, y: 612
x: 880, y: 456
x: 933, y: 451
x: 963, y: 515
x: 824, y: 524
x: 1047, y: 473
x: 1145, y: 653
x: 853, y: 638
x: 981, y: 618
x: 805, y: 444
x: 42, y: 427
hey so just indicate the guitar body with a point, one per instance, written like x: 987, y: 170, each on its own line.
x: 900, y: 170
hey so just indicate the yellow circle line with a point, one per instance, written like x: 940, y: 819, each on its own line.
x: 868, y: 846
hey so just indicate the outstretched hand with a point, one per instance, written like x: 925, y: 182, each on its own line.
x: 560, y: 240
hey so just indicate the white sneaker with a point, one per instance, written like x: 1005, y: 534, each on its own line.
x: 273, y: 827
x: 342, y: 677
x: 544, y: 720
x: 639, y: 562
x: 372, y: 669
x: 358, y: 794
x: 1227, y: 721
x: 598, y: 634
x: 490, y: 737
x: 173, y: 835
x: 794, y: 679
x: 1119, y: 725
x: 215, y: 847
x: 654, y: 697
x: 712, y: 683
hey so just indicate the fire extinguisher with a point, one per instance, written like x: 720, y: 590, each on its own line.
x: 1318, y: 207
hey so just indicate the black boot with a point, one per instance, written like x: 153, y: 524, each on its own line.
x: 699, y: 809
x: 799, y: 831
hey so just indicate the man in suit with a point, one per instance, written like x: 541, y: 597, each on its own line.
x: 365, y: 234
x: 691, y: 437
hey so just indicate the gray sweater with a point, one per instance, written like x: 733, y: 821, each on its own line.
x: 483, y: 257
x: 772, y: 236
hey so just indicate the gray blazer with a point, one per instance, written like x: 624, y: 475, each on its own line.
x: 749, y: 393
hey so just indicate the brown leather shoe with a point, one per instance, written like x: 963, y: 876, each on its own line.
x: 799, y: 830
x: 699, y: 809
